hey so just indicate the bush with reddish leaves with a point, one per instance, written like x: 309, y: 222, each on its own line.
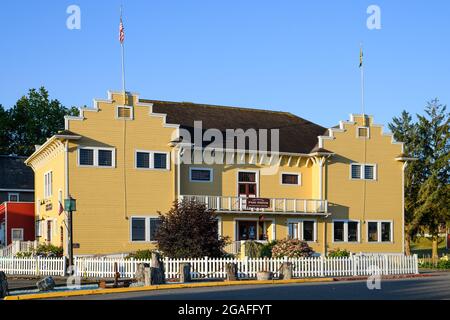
x: 291, y: 248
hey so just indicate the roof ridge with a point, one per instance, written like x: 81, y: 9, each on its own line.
x: 215, y: 106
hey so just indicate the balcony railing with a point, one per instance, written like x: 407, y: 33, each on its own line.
x: 276, y: 205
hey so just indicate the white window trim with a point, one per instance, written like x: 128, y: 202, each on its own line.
x: 17, y: 229
x: 13, y: 194
x: 151, y: 158
x: 299, y: 179
x: 147, y: 228
x: 256, y: 172
x: 96, y: 150
x: 361, y: 137
x: 123, y: 118
x: 301, y: 230
x: 363, y: 172
x: 346, y: 221
x: 48, y: 185
x: 211, y: 174
x: 379, y: 231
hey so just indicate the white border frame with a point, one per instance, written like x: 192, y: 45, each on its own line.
x: 17, y: 229
x: 151, y: 159
x: 256, y: 172
x: 345, y: 221
x: 299, y: 180
x: 300, y: 229
x: 13, y: 194
x: 95, y: 165
x: 379, y: 231
x: 361, y: 137
x: 147, y: 229
x: 211, y: 174
x: 126, y: 107
x: 363, y: 173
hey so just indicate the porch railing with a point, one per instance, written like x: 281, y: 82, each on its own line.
x: 276, y: 205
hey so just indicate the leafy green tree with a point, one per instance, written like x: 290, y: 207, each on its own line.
x: 405, y: 130
x: 189, y: 230
x: 34, y: 118
x: 4, y: 127
x: 433, y: 199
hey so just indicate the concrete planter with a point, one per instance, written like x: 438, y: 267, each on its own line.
x: 264, y: 275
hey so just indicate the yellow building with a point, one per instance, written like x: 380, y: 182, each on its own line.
x: 126, y: 159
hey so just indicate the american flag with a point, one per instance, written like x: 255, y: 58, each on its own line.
x: 121, y: 32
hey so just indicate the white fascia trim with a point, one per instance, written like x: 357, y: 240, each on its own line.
x: 16, y: 190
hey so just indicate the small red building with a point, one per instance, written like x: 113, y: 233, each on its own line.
x: 16, y: 222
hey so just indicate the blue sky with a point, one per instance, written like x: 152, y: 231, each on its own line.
x: 296, y: 56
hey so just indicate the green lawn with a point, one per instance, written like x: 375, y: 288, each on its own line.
x: 422, y: 247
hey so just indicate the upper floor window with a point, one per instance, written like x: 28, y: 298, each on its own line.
x: 290, y: 179
x: 48, y: 184
x: 363, y: 132
x: 200, y: 175
x: 379, y: 231
x: 363, y: 171
x: 96, y: 157
x: 152, y: 160
x: 13, y: 197
x: 125, y: 112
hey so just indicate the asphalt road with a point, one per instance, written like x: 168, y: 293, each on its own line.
x: 435, y: 287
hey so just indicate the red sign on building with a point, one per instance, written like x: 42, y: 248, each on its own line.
x: 258, y: 203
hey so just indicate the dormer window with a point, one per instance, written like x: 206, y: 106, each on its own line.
x: 363, y: 132
x: 125, y: 112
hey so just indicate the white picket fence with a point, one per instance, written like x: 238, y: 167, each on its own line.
x: 214, y: 268
x: 35, y: 266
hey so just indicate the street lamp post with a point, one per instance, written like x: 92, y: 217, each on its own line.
x: 70, y: 205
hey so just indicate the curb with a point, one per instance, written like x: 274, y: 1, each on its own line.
x: 52, y: 295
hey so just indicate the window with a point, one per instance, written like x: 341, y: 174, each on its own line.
x: 200, y: 175
x: 345, y: 231
x: 363, y: 171
x: 160, y: 161
x: 49, y: 230
x: 96, y: 157
x: 48, y: 184
x: 290, y: 178
x: 38, y: 228
x: 86, y: 157
x: 303, y: 230
x: 379, y: 231
x: 247, y: 177
x: 144, y: 229
x: 138, y: 229
x: 13, y: 197
x: 125, y: 113
x: 338, y: 231
x: 17, y: 234
x: 363, y: 132
x: 105, y: 158
x: 152, y: 160
x: 142, y: 160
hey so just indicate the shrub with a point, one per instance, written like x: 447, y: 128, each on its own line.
x: 338, y: 253
x: 266, y: 249
x: 140, y: 255
x: 24, y: 254
x: 49, y: 250
x: 441, y: 264
x: 253, y: 249
x: 291, y: 248
x: 189, y: 230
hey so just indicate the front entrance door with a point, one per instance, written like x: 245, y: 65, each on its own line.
x: 2, y: 234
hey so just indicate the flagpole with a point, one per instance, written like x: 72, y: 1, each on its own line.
x: 362, y: 79
x: 123, y: 58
